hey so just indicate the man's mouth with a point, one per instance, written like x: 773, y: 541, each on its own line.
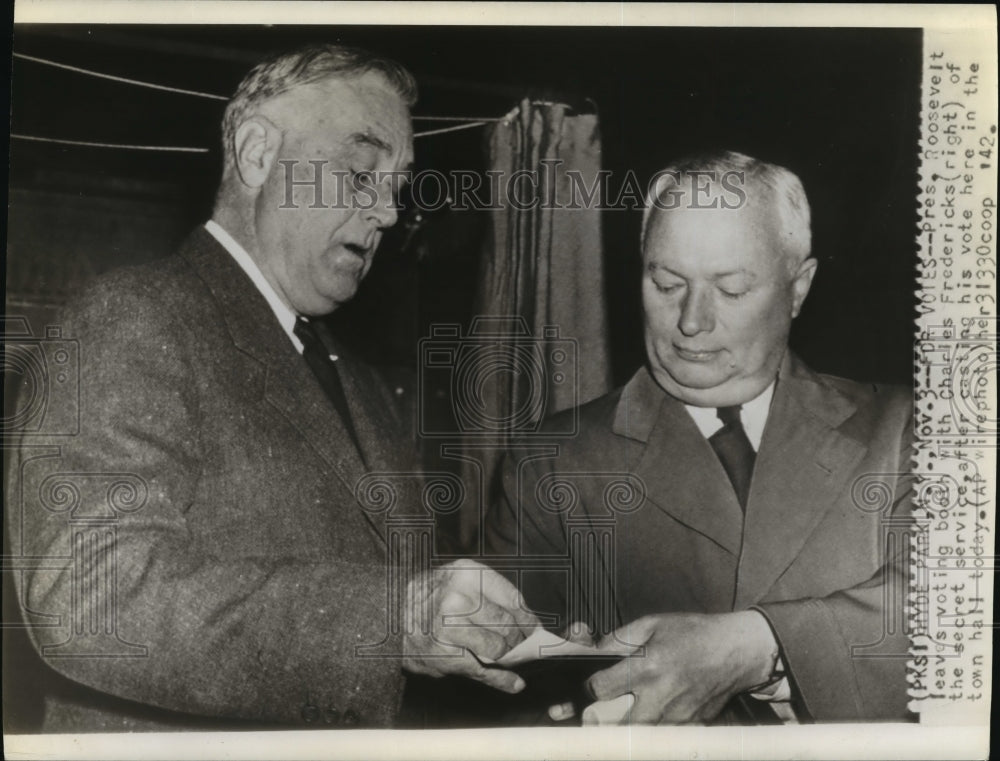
x: 357, y: 249
x: 691, y: 355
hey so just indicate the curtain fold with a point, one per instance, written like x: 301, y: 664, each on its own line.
x: 541, y: 304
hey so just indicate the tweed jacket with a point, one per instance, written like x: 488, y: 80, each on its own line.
x: 641, y: 509
x: 202, y: 551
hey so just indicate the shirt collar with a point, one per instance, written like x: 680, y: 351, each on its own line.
x: 753, y: 415
x: 286, y: 317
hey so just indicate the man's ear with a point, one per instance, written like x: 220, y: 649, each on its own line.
x: 801, y: 283
x: 257, y: 141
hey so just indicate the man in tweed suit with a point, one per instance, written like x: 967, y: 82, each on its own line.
x: 205, y: 556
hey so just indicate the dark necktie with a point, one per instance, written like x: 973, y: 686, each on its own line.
x: 735, y: 452
x: 737, y: 456
x: 323, y: 363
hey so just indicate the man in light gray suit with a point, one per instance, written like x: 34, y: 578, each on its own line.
x: 202, y: 555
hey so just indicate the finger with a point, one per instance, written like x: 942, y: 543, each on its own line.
x: 613, y: 681
x: 454, y: 626
x: 650, y: 710
x: 608, y: 712
x: 501, y: 592
x: 498, y: 620
x: 489, y: 618
x: 480, y: 641
x: 525, y: 618
x: 468, y: 585
x: 454, y: 599
x: 434, y: 661
x: 499, y: 679
x: 467, y: 666
x: 625, y: 640
x: 562, y: 712
x: 463, y: 605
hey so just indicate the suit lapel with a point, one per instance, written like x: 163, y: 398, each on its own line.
x: 290, y: 386
x: 377, y: 428
x: 802, y: 467
x: 681, y: 473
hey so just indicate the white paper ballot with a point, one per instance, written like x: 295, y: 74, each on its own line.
x: 542, y: 643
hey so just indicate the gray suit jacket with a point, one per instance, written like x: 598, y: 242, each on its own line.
x: 821, y: 553
x: 197, y: 541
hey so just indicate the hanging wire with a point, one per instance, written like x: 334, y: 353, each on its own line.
x: 87, y: 144
x: 212, y: 96
x: 124, y: 80
x: 455, y: 118
x: 469, y: 121
x: 456, y: 128
x: 187, y: 149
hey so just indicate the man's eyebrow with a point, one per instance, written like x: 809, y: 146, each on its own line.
x: 367, y: 138
x: 744, y: 273
x: 659, y: 267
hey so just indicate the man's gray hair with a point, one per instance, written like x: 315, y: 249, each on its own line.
x: 314, y: 63
x: 787, y: 194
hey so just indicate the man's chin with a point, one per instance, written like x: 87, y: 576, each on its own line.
x: 343, y: 291
x: 696, y: 377
x: 697, y: 389
x: 344, y: 295
x: 327, y: 303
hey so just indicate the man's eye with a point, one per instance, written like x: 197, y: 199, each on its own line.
x: 733, y: 294
x: 667, y: 287
x: 364, y: 178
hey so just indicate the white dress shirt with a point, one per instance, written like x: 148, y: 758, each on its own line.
x: 753, y: 415
x: 286, y: 317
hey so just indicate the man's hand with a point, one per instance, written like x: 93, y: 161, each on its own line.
x: 692, y: 664
x: 461, y: 617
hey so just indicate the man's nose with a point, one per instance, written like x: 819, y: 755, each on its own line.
x: 384, y: 211
x: 697, y: 313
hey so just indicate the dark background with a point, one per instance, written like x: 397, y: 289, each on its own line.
x: 839, y: 107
